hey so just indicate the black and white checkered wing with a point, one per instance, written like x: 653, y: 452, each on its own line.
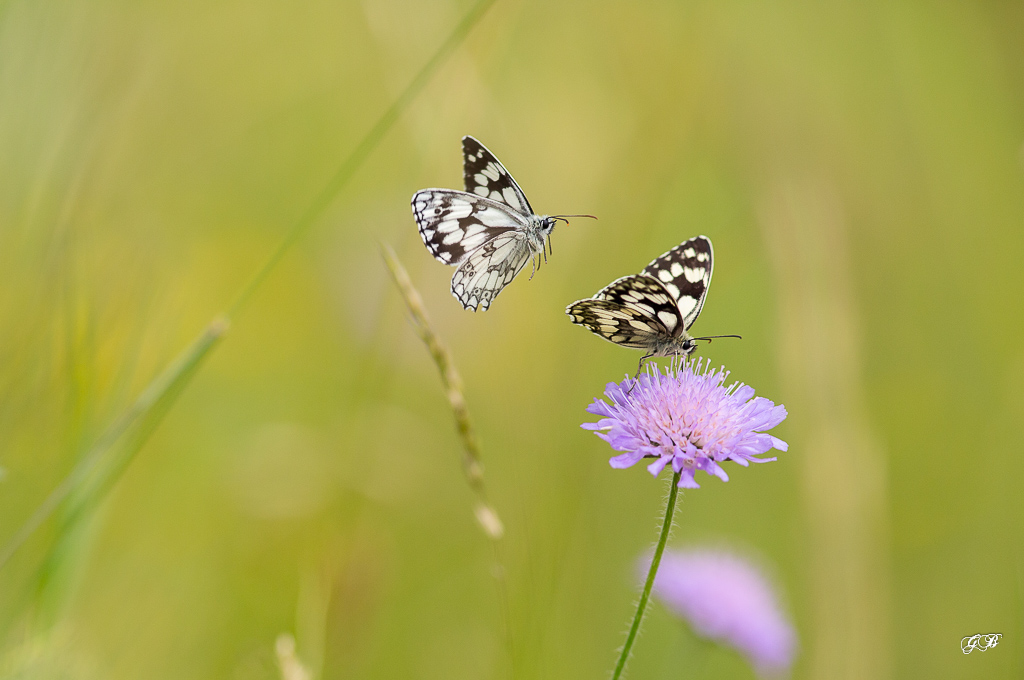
x: 634, y: 311
x: 486, y: 176
x: 490, y: 268
x: 453, y: 223
x: 685, y: 272
x: 489, y: 231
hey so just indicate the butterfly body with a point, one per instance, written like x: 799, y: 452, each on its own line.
x: 652, y: 310
x: 488, y: 231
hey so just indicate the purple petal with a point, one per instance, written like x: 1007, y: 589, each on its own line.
x: 616, y: 392
x: 713, y: 468
x: 622, y: 442
x: 626, y: 460
x: 744, y: 393
x: 686, y: 481
x: 602, y: 424
x: 768, y: 414
x: 658, y: 465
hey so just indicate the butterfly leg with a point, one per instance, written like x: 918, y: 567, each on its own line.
x: 639, y: 368
x: 534, y: 260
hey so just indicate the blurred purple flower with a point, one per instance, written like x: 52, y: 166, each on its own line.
x: 685, y: 416
x: 727, y: 599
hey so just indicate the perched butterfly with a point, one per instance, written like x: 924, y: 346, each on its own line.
x: 653, y: 310
x: 489, y: 230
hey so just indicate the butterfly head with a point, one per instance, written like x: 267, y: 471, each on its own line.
x: 668, y: 346
x: 547, y: 224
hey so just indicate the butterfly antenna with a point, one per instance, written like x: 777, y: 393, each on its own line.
x: 563, y: 217
x: 709, y: 338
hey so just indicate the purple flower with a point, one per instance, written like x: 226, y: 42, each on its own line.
x: 729, y: 600
x: 685, y: 416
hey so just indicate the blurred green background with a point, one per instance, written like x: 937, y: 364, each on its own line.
x: 858, y: 166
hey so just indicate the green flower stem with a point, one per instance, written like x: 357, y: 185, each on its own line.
x: 666, y: 529
x: 102, y: 465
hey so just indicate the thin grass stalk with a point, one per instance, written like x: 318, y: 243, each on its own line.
x: 472, y: 465
x: 169, y: 384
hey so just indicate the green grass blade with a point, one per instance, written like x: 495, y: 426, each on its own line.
x: 141, y: 418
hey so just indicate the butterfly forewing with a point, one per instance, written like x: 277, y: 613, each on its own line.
x: 485, y: 176
x: 645, y: 296
x: 685, y: 272
x: 452, y: 223
x: 489, y: 269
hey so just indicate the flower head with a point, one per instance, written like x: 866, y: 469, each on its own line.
x: 686, y: 417
x: 728, y: 599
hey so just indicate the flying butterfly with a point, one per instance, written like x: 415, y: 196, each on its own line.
x: 653, y: 310
x: 489, y: 230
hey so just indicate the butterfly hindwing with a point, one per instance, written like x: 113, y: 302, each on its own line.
x: 485, y: 176
x: 685, y: 272
x: 618, y: 323
x: 453, y: 224
x: 489, y: 269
